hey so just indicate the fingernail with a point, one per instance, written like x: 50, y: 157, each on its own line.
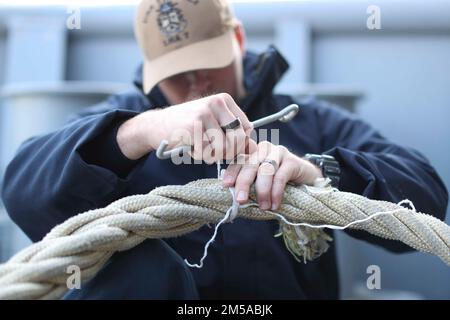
x: 241, y: 196
x: 265, y: 205
x: 274, y: 206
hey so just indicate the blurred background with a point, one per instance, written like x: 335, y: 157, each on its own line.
x: 58, y: 57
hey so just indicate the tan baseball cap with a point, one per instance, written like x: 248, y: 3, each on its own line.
x: 178, y: 36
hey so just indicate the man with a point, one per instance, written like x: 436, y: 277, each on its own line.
x: 193, y: 49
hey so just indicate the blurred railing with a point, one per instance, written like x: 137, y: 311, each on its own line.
x: 30, y: 109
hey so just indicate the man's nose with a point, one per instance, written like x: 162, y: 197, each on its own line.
x: 199, y: 79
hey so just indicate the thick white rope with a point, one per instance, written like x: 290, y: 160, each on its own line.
x: 89, y: 239
x: 233, y: 211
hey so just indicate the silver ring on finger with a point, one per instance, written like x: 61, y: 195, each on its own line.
x: 236, y: 123
x: 272, y: 162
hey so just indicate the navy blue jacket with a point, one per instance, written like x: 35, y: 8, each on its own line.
x: 80, y: 167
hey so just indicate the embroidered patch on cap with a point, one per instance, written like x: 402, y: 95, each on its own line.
x: 171, y: 21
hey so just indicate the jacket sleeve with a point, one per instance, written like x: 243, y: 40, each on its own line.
x: 76, y: 168
x: 379, y: 169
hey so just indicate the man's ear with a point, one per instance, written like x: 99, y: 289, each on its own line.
x: 240, y: 36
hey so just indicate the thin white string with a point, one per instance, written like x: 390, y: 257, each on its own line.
x: 230, y: 215
x: 219, y: 173
x: 329, y: 226
x: 205, y: 250
x: 233, y: 211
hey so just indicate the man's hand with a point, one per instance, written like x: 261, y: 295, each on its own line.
x: 197, y: 123
x: 270, y: 167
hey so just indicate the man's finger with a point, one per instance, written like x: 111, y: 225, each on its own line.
x: 231, y: 174
x: 264, y: 180
x: 246, y: 178
x: 281, y: 178
x: 234, y: 108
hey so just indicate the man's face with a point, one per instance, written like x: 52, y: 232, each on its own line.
x: 197, y: 84
x: 193, y: 85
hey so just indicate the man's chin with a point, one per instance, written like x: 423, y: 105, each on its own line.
x: 197, y: 96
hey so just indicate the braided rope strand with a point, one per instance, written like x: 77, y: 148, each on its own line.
x: 89, y: 239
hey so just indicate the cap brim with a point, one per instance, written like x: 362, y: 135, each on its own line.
x: 208, y: 54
